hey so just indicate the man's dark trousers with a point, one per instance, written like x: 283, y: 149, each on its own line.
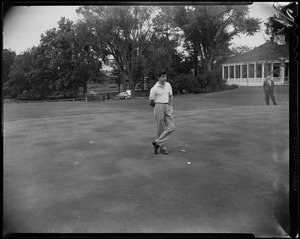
x: 268, y: 94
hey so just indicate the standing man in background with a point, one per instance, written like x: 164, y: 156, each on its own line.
x: 269, y: 87
x: 161, y: 98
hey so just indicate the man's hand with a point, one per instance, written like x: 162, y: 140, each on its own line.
x: 152, y: 103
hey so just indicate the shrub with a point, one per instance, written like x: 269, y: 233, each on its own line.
x: 210, y: 81
x: 183, y: 82
x: 213, y: 84
x: 204, y: 83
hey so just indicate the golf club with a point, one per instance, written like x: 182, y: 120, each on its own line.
x: 178, y: 140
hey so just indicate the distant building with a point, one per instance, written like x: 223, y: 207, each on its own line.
x: 250, y: 69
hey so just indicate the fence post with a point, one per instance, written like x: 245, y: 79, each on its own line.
x: 86, y: 99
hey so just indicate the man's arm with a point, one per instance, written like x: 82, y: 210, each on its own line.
x: 171, y: 97
x: 171, y: 101
x: 151, y: 98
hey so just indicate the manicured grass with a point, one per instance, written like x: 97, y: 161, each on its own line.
x: 89, y: 167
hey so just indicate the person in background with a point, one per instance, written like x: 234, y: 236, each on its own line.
x: 161, y: 98
x: 269, y: 88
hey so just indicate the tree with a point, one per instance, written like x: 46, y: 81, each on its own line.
x: 240, y: 49
x: 158, y: 55
x: 31, y: 75
x: 209, y: 30
x: 19, y: 76
x: 72, y: 56
x: 123, y: 32
x: 161, y: 50
x: 43, y: 78
x: 62, y: 63
x: 276, y: 29
x: 8, y: 57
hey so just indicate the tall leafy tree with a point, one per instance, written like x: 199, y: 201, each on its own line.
x: 283, y: 22
x: 123, y: 31
x: 20, y: 74
x: 159, y: 55
x: 162, y: 46
x: 209, y: 30
x: 30, y: 74
x: 62, y: 63
x: 43, y: 78
x: 278, y: 31
x: 72, y: 56
x: 8, y: 57
x: 164, y: 24
x: 240, y: 49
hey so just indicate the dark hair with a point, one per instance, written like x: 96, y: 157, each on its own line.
x: 161, y: 72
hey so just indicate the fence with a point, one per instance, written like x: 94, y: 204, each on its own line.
x: 99, y: 97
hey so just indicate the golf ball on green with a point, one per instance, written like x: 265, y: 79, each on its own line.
x: 189, y: 162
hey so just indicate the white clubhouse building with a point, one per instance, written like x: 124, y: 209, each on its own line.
x: 250, y: 69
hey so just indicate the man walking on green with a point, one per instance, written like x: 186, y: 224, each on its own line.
x: 269, y: 87
x: 161, y: 98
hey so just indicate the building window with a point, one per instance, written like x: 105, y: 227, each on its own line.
x: 267, y: 69
x: 238, y: 71
x: 226, y: 72
x: 286, y: 70
x: 276, y: 69
x: 231, y: 71
x: 251, y: 70
x: 244, y: 71
x: 258, y: 70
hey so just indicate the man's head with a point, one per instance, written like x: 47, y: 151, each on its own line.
x: 162, y: 76
x: 268, y: 77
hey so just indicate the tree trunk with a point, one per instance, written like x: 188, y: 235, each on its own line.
x: 195, y: 68
x: 143, y: 77
x: 119, y: 86
x: 209, y: 64
x: 195, y: 61
x: 132, y: 86
x: 123, y: 76
x: 84, y: 88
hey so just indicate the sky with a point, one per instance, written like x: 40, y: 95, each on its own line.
x: 23, y: 25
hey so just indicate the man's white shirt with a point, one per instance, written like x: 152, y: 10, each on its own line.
x: 160, y: 94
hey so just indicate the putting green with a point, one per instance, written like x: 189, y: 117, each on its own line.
x: 89, y: 167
